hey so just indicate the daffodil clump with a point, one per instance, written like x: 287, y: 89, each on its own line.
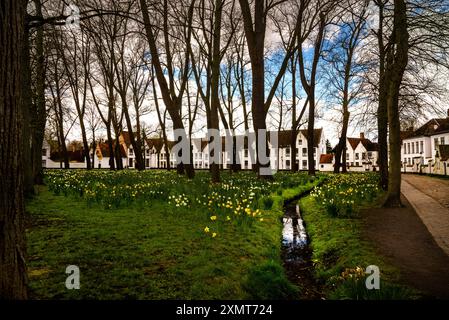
x: 110, y: 188
x: 235, y: 199
x: 342, y: 193
x: 180, y: 200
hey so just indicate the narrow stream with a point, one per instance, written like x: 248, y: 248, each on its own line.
x: 296, y: 252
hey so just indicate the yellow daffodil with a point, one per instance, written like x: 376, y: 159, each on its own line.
x: 214, y: 234
x: 206, y: 229
x: 213, y: 218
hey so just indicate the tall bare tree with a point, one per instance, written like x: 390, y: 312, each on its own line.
x: 171, y: 98
x: 397, y: 60
x: 13, y: 275
x: 255, y: 26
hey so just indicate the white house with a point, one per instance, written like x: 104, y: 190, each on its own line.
x: 326, y: 163
x: 284, y: 143
x: 102, y: 157
x: 420, y: 147
x: 361, y: 154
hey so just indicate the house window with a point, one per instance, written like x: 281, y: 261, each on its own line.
x: 442, y: 140
x: 413, y: 147
x: 287, y: 164
x: 370, y: 154
x: 287, y: 151
x: 246, y: 164
x: 147, y: 152
x: 131, y: 151
x: 363, y: 155
x: 417, y: 147
x: 300, y: 142
x: 356, y: 164
x: 245, y: 154
x: 436, y: 143
x: 131, y: 163
x: 408, y: 148
x: 44, y: 152
x: 147, y: 163
x: 347, y: 156
x: 357, y: 156
x: 304, y: 163
x: 304, y: 152
x: 422, y: 146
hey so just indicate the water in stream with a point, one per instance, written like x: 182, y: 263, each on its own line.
x: 297, y: 254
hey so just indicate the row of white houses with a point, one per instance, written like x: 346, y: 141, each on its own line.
x: 155, y: 155
x: 361, y: 154
x: 423, y: 150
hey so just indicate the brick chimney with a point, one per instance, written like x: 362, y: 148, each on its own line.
x: 362, y: 135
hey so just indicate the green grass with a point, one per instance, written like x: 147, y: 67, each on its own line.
x: 147, y: 253
x: 338, y: 247
x: 152, y: 251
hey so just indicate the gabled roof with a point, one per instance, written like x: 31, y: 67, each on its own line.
x: 369, y: 146
x: 326, y: 158
x: 157, y: 143
x: 285, y: 136
x: 432, y: 127
x: 104, y: 147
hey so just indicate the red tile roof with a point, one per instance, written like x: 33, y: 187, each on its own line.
x: 326, y: 158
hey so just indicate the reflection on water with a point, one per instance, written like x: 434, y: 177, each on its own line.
x: 294, y: 234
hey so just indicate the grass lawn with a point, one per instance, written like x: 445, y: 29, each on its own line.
x: 152, y: 251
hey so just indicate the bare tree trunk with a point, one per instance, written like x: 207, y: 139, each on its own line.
x: 26, y: 108
x: 13, y: 277
x: 140, y: 164
x: 111, y: 148
x: 172, y: 103
x: 40, y: 115
x: 396, y: 64
x: 295, y: 166
x: 382, y: 113
x: 215, y: 84
x: 60, y: 117
x: 309, y: 87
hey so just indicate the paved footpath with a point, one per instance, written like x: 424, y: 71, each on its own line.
x: 430, y: 199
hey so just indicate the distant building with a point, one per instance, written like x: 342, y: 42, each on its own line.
x: 361, y: 154
x: 420, y: 150
x: 326, y: 162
